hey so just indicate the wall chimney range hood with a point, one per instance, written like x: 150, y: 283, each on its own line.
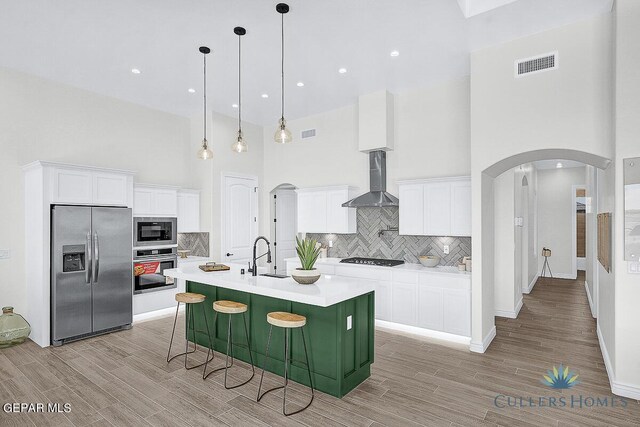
x: 377, y: 195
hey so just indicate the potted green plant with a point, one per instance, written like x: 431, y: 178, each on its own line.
x: 308, y: 251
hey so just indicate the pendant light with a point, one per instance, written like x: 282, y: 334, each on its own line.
x: 205, y: 153
x: 282, y: 135
x: 239, y: 146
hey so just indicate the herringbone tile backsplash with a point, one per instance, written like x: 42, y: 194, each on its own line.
x: 197, y: 243
x: 367, y: 243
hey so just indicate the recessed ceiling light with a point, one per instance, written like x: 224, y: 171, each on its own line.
x: 135, y: 71
x: 342, y: 70
x: 234, y: 105
x: 191, y: 90
x: 559, y: 165
x: 265, y: 95
x: 299, y: 84
x: 394, y: 53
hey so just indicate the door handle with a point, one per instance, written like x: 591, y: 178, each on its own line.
x: 228, y: 254
x: 87, y: 268
x: 96, y: 259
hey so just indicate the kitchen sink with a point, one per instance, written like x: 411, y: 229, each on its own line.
x: 276, y: 276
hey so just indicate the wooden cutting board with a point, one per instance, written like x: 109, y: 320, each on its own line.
x: 217, y: 267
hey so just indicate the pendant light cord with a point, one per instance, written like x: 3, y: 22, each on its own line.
x: 239, y: 83
x: 282, y: 63
x: 205, y: 96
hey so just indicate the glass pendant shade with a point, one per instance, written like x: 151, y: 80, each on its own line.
x: 205, y: 153
x: 283, y: 135
x: 239, y: 146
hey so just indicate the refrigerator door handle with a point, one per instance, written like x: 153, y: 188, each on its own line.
x: 87, y: 269
x: 96, y: 259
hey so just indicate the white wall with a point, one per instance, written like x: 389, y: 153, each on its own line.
x: 42, y: 120
x: 505, y: 266
x: 627, y: 292
x: 555, y: 217
x: 591, y: 271
x: 548, y: 110
x: 221, y: 133
x: 431, y: 140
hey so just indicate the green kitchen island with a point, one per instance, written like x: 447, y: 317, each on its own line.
x: 339, y: 331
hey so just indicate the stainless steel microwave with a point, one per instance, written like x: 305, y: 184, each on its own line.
x: 152, y: 231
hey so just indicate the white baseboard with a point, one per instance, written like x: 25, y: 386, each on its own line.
x: 428, y: 333
x: 591, y: 306
x: 481, y: 347
x: 511, y: 314
x: 621, y: 389
x: 531, y: 285
x: 157, y: 314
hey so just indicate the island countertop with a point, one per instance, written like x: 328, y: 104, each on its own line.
x: 327, y: 291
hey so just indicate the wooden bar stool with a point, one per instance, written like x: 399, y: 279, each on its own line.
x: 189, y: 299
x: 230, y: 308
x: 287, y: 321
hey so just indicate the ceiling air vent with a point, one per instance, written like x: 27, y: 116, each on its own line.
x: 536, y: 64
x: 309, y: 133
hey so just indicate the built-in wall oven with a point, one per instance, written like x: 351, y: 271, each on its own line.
x: 152, y: 231
x: 149, y: 265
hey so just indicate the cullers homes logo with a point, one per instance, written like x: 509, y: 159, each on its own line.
x: 560, y: 378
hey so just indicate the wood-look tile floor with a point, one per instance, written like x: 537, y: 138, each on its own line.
x: 122, y: 379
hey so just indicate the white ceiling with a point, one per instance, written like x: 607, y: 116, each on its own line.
x: 93, y: 44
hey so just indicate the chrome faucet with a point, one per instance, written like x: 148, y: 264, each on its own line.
x: 254, y: 269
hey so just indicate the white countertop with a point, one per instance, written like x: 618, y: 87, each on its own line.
x: 327, y: 291
x: 446, y: 270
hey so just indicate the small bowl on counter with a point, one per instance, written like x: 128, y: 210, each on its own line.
x: 429, y: 260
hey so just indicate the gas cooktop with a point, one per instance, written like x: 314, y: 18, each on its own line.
x: 373, y: 261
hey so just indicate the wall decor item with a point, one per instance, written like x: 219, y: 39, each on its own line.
x: 282, y: 135
x: 604, y: 240
x: 239, y: 146
x: 205, y: 152
x: 13, y: 328
x: 370, y: 243
x: 632, y: 209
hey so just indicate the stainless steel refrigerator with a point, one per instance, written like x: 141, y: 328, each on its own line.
x: 91, y: 271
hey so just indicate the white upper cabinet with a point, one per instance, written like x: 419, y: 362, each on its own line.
x: 89, y: 186
x: 461, y: 208
x: 435, y: 207
x: 188, y: 211
x: 320, y: 210
x: 411, y: 198
x: 155, y: 200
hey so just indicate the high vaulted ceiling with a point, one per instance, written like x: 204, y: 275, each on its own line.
x: 94, y: 44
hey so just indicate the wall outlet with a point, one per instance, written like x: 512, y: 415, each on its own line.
x: 446, y: 249
x: 330, y: 243
x: 5, y: 254
x: 349, y: 323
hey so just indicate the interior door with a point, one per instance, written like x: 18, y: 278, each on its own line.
x: 70, y: 265
x: 285, y: 225
x: 239, y: 218
x: 112, y: 269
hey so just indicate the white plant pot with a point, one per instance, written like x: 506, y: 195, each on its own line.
x: 305, y: 277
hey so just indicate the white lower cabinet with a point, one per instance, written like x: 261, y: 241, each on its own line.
x: 403, y: 303
x: 430, y: 301
x: 383, y: 300
x: 457, y: 313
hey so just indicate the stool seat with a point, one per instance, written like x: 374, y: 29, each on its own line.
x: 283, y: 319
x: 229, y: 307
x: 189, y: 298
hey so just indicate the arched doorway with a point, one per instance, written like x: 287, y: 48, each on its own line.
x: 483, y: 321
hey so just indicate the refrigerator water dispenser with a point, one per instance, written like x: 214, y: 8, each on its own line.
x: 73, y: 258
